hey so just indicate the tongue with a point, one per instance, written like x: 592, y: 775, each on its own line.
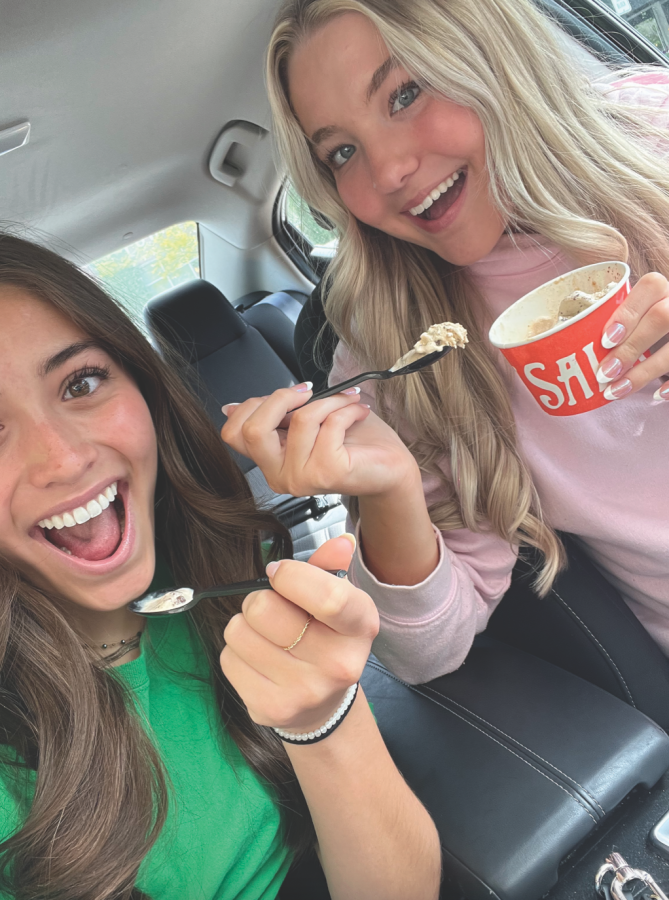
x: 96, y: 539
x: 446, y: 200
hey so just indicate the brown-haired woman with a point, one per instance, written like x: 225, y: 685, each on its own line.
x: 134, y: 762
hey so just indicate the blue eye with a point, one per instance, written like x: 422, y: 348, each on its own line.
x: 403, y: 97
x: 340, y: 155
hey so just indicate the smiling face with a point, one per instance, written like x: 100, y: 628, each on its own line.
x: 406, y: 162
x: 74, y: 428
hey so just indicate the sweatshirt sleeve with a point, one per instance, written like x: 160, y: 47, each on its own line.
x: 427, y: 629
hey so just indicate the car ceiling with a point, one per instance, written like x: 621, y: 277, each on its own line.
x: 125, y: 100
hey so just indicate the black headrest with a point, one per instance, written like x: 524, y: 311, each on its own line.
x: 195, y: 318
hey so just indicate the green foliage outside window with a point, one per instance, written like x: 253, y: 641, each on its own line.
x: 300, y: 217
x: 139, y: 272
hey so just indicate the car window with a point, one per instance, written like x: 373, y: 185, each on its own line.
x: 304, y: 236
x: 651, y: 19
x: 135, y: 274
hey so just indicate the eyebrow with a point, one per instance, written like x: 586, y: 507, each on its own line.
x: 375, y: 83
x: 380, y: 76
x: 53, y: 362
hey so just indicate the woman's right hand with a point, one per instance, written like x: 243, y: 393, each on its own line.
x: 336, y: 445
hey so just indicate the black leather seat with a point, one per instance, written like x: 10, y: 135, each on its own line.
x: 237, y: 353
x: 517, y: 761
x: 274, y: 316
x: 232, y: 358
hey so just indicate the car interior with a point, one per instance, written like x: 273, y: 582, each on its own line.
x: 119, y: 121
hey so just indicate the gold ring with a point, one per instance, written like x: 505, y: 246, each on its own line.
x: 300, y: 635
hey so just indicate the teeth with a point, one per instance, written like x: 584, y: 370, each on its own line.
x: 82, y: 514
x: 65, y: 550
x: 93, y: 508
x: 435, y: 194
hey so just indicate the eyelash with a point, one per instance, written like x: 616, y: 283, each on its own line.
x: 330, y: 158
x: 395, y: 94
x: 101, y: 372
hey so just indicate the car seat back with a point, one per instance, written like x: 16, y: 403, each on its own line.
x: 233, y: 361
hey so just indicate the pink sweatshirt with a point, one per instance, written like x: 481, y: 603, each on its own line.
x: 602, y: 476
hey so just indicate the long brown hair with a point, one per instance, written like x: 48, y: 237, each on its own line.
x: 101, y: 792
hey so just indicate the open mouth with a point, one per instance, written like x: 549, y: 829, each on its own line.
x: 92, y: 532
x: 440, y: 200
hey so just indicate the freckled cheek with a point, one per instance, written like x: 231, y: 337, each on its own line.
x: 360, y: 198
x: 129, y: 430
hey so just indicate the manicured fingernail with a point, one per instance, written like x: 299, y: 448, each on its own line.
x: 224, y: 409
x: 353, y: 390
x: 366, y: 405
x: 618, y: 390
x: 613, y: 336
x: 350, y: 537
x: 609, y: 370
x: 302, y: 388
x: 662, y: 393
x: 272, y: 567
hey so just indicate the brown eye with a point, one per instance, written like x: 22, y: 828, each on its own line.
x: 79, y: 388
x: 82, y: 386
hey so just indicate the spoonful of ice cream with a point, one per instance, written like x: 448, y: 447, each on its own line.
x: 430, y: 347
x: 180, y: 599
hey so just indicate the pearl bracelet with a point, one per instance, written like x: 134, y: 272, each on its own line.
x: 312, y: 737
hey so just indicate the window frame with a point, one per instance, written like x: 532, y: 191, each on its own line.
x: 609, y: 27
x: 294, y: 244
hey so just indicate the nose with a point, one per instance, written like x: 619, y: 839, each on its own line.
x: 392, y: 163
x: 56, y: 452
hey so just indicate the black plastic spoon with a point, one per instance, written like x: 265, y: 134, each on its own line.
x: 382, y: 374
x: 181, y: 599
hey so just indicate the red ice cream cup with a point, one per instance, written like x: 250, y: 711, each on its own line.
x: 559, y: 366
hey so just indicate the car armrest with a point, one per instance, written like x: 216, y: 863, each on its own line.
x: 516, y: 760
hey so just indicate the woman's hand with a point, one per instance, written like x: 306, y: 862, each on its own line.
x: 336, y: 445
x: 637, y: 325
x: 375, y: 838
x: 299, y: 689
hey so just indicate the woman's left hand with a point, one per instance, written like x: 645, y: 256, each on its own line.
x: 299, y: 689
x: 637, y: 325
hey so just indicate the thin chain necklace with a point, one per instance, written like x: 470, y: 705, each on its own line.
x: 124, y: 647
x: 122, y: 643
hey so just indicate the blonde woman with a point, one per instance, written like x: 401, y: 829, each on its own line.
x: 464, y: 162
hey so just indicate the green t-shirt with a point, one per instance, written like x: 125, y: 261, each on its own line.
x: 221, y: 840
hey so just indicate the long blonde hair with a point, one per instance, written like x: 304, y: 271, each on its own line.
x: 564, y: 162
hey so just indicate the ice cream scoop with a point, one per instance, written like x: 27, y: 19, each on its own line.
x: 181, y: 599
x: 576, y: 303
x: 431, y: 346
x: 445, y: 334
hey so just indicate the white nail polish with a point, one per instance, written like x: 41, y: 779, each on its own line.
x: 662, y: 393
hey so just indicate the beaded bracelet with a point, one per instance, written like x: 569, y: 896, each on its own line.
x: 313, y: 737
